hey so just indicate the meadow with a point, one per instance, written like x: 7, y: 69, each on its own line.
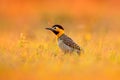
x: 37, y: 57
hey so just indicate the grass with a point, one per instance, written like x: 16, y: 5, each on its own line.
x: 40, y: 58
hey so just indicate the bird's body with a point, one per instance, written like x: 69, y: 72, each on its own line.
x: 66, y: 44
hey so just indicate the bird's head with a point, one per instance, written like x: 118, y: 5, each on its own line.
x: 58, y: 30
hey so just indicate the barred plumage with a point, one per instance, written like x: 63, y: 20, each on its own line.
x: 67, y: 44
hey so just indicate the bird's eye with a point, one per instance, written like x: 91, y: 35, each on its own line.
x: 54, y: 27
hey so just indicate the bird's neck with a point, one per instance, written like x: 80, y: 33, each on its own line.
x: 60, y: 34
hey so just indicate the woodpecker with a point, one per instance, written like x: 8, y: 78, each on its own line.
x: 65, y: 43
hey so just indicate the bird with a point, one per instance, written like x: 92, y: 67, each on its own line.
x: 65, y: 43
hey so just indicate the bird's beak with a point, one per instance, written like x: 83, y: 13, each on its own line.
x: 54, y: 31
x: 50, y: 29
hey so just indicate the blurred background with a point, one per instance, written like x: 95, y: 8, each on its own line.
x: 17, y: 16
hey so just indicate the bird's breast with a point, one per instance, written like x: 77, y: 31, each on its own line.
x: 63, y: 46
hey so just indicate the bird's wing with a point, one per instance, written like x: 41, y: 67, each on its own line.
x: 68, y: 41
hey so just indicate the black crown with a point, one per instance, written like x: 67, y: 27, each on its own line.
x: 59, y: 26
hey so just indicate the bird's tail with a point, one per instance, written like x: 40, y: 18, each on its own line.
x: 81, y: 51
